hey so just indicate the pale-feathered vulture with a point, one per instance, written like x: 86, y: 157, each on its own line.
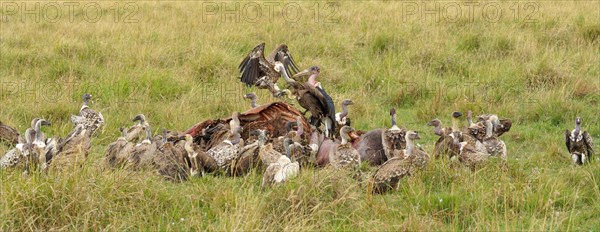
x: 90, y: 119
x: 73, y: 150
x: 393, y: 139
x: 280, y: 171
x: 344, y: 155
x: 137, y: 133
x: 444, y: 145
x: 38, y: 157
x: 492, y: 144
x: 341, y: 118
x: 227, y: 151
x: 259, y: 71
x: 266, y: 153
x: 501, y: 126
x: 579, y: 144
x: 21, y: 151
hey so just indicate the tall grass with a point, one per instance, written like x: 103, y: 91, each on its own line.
x: 179, y: 69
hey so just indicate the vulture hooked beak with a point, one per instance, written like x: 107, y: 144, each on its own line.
x: 307, y: 72
x: 139, y: 117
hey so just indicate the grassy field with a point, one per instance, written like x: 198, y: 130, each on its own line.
x: 536, y: 63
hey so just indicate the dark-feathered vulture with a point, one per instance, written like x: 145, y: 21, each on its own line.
x: 113, y: 150
x: 579, y: 144
x: 443, y: 147
x: 8, y: 134
x: 73, y: 149
x: 171, y: 161
x: 311, y: 98
x: 259, y: 71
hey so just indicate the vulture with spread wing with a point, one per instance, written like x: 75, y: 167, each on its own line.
x: 259, y: 71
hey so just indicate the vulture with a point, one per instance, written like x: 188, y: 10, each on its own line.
x: 115, y: 148
x: 341, y: 118
x: 170, y: 160
x: 136, y: 132
x: 38, y: 156
x: 247, y: 159
x: 406, y: 163
x: 266, y: 153
x: 344, y: 155
x: 227, y: 151
x: 143, y: 153
x: 467, y: 154
x: 21, y: 151
x: 278, y: 172
x: 501, y: 126
x: 443, y: 147
x: 259, y: 71
x: 579, y: 144
x: 9, y: 134
x: 393, y: 139
x: 200, y: 162
x: 90, y: 119
x: 313, y: 97
x: 74, y: 148
x: 252, y: 97
x: 492, y: 144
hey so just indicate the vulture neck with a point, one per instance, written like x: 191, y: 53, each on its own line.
x: 312, y: 80
x: 164, y: 133
x: 148, y: 135
x: 344, y: 111
x: 29, y: 134
x: 286, y: 144
x: 236, y: 138
x: 470, y: 120
x: 410, y: 145
x: 577, y: 128
x: 85, y: 104
x: 285, y: 76
x: 262, y: 140
x: 123, y: 135
x: 454, y: 124
x: 253, y: 102
x: 188, y: 146
x: 438, y: 130
x: 38, y: 134
x: 394, y: 125
x: 300, y: 130
x: 345, y: 138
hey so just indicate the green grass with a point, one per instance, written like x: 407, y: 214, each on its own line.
x: 179, y: 69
